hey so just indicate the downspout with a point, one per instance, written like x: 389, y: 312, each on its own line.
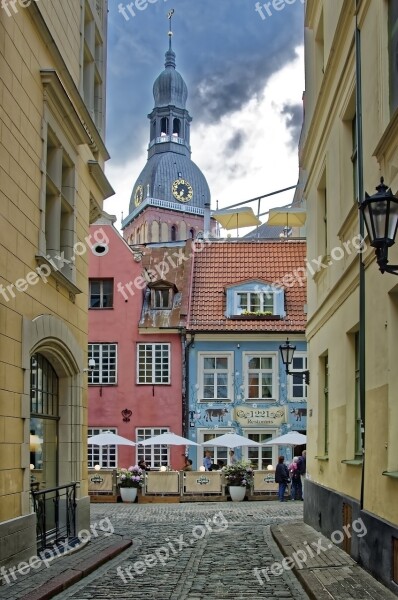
x: 186, y: 384
x: 362, y: 322
x: 185, y: 351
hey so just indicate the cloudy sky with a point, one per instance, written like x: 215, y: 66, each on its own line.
x: 245, y: 77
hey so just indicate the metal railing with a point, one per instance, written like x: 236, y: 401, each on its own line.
x: 55, y: 510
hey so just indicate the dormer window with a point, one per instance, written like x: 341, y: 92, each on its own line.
x: 254, y: 303
x: 162, y: 295
x: 255, y: 299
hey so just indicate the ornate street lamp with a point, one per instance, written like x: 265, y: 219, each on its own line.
x: 380, y: 213
x: 287, y: 353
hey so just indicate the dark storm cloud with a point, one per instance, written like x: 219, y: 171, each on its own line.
x: 294, y: 120
x: 225, y: 52
x: 234, y: 143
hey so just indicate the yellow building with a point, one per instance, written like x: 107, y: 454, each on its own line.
x: 329, y: 157
x: 52, y: 186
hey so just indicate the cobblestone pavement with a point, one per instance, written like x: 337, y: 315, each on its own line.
x: 201, y: 551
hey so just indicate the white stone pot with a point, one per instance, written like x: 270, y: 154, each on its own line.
x: 128, y: 494
x: 237, y: 492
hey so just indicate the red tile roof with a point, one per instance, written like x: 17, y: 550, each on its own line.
x: 222, y: 264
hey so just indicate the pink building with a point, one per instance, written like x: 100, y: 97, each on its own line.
x: 138, y: 304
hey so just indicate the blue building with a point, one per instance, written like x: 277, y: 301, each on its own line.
x: 247, y: 297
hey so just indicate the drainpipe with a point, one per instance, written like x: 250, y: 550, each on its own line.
x: 186, y: 348
x: 362, y: 323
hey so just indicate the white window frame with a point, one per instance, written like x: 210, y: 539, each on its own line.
x: 200, y: 376
x: 239, y: 311
x: 214, y: 432
x: 273, y: 433
x: 274, y: 372
x: 99, y: 367
x: 101, y: 455
x: 291, y: 398
x: 143, y: 452
x: 153, y: 375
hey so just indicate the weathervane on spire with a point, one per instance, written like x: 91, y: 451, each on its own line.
x: 170, y: 16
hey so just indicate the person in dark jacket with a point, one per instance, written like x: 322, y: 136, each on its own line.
x: 282, y: 478
x: 302, y: 468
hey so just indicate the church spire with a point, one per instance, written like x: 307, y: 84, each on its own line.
x: 170, y: 55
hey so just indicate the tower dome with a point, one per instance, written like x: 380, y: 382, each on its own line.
x: 169, y: 88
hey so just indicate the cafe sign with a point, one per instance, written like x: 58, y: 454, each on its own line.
x: 272, y: 415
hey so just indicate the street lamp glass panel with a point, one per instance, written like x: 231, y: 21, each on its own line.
x: 380, y: 213
x: 287, y: 352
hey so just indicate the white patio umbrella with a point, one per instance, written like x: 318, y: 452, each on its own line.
x: 293, y: 438
x: 168, y: 439
x: 230, y: 440
x: 107, y: 438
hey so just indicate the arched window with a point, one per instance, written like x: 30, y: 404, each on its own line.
x: 43, y: 422
x: 164, y: 126
x: 153, y: 134
x: 191, y: 234
x: 173, y: 233
x: 177, y: 127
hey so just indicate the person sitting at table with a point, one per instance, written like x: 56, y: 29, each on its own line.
x: 188, y: 465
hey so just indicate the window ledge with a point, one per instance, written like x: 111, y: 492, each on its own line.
x: 101, y: 308
x: 353, y: 462
x: 212, y: 401
x: 255, y: 317
x: 58, y: 276
x: 325, y: 457
x: 392, y: 474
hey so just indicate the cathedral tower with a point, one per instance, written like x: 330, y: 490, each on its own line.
x: 170, y: 200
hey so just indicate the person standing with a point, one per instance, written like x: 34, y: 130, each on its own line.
x: 295, y: 477
x: 207, y: 461
x: 282, y: 478
x: 232, y: 457
x: 302, y: 468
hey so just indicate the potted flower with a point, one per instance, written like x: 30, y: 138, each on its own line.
x: 129, y: 480
x: 240, y: 478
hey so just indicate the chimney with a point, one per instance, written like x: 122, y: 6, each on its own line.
x: 206, y: 223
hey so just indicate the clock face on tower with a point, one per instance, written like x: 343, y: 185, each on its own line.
x: 182, y: 190
x: 139, y: 195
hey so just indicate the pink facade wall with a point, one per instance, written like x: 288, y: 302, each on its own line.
x: 152, y: 406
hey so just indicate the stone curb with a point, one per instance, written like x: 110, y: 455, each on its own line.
x: 71, y: 576
x: 336, y: 578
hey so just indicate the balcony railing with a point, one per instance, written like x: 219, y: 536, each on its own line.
x: 55, y: 510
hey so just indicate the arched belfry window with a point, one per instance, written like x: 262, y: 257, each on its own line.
x: 164, y: 126
x: 191, y: 234
x: 177, y: 127
x: 173, y: 233
x: 153, y: 133
x: 44, y: 417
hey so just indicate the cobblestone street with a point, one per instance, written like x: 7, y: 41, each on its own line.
x: 201, y: 551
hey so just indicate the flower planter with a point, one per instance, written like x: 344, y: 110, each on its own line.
x: 237, y: 492
x: 128, y: 494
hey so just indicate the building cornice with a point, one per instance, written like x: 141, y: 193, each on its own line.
x: 100, y: 179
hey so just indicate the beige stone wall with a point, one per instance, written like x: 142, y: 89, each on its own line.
x: 24, y: 51
x: 333, y: 292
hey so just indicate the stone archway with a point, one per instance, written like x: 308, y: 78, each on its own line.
x: 52, y: 338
